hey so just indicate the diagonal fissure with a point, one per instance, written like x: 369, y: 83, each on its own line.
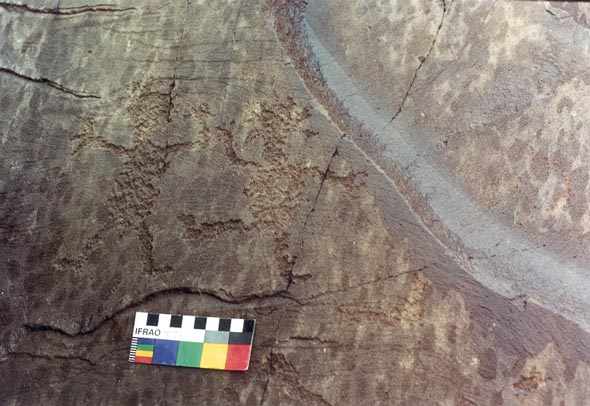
x: 50, y: 83
x: 422, y: 62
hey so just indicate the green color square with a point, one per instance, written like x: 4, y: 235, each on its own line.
x: 145, y: 347
x: 189, y: 354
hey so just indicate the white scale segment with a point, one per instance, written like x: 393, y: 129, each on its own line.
x: 185, y: 332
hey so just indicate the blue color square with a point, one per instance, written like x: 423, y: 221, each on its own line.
x: 148, y: 341
x: 165, y: 352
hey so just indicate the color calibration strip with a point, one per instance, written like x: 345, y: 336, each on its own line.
x: 191, y: 341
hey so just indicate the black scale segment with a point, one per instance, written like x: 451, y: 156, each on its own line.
x: 200, y: 323
x: 248, y: 326
x: 152, y: 319
x: 240, y: 338
x: 224, y: 324
x: 176, y: 321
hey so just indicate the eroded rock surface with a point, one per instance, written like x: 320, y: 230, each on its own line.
x: 182, y: 157
x: 483, y: 115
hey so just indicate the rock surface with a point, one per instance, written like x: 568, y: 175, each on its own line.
x: 487, y: 124
x: 189, y: 157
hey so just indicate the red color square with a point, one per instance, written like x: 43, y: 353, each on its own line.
x: 143, y: 360
x: 238, y: 357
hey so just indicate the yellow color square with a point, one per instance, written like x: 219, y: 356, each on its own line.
x: 213, y: 356
x: 143, y: 353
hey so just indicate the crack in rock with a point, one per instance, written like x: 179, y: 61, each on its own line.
x: 422, y: 61
x: 50, y: 83
x: 307, y: 217
x: 100, y: 8
x: 307, y: 301
x: 324, y: 176
x: 224, y: 297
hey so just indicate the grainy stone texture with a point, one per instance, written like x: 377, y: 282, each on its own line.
x: 188, y: 157
x: 485, y: 121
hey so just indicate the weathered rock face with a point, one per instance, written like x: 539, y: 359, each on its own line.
x: 187, y: 157
x: 483, y: 108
